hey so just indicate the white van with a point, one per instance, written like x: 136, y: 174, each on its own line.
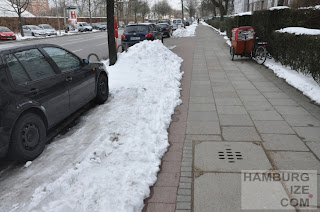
x: 177, y: 23
x: 84, y: 26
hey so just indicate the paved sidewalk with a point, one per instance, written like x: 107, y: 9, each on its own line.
x: 240, y: 117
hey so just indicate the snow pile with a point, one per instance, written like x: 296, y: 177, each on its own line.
x: 6, y: 10
x: 299, y: 31
x: 115, y: 151
x: 189, y: 31
x: 279, y: 8
x: 306, y: 84
x: 317, y: 7
x: 241, y: 14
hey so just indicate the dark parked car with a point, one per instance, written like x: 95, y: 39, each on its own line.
x: 135, y: 33
x: 6, y: 34
x: 40, y: 86
x: 166, y: 29
x: 164, y: 21
x: 99, y: 26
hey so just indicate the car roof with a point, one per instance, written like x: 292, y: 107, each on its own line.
x: 23, y: 47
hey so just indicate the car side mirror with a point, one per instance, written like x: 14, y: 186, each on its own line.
x: 85, y: 62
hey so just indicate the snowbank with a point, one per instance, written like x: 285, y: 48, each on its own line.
x: 279, y: 8
x: 189, y: 31
x: 306, y: 84
x: 124, y: 141
x: 241, y: 14
x: 299, y: 31
x: 317, y: 7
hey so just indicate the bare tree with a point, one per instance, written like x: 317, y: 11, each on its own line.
x: 18, y: 7
x: 162, y: 8
x: 111, y: 35
x: 191, y: 7
x: 135, y: 8
x: 145, y: 9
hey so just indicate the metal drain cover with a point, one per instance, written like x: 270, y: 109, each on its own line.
x: 230, y: 156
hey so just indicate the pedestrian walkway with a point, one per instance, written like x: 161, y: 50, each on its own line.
x: 240, y: 116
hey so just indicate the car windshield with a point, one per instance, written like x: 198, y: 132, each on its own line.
x: 4, y: 29
x: 34, y: 28
x: 85, y: 24
x: 47, y: 27
x: 137, y: 28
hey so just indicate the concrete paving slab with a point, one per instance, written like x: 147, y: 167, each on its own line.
x: 258, y: 106
x: 225, y: 109
x: 201, y: 92
x: 308, y: 133
x: 295, y: 160
x: 228, y: 101
x: 201, y: 99
x: 230, y: 156
x: 213, y: 192
x: 283, y: 142
x: 203, y: 128
x: 202, y: 116
x: 276, y: 95
x: 279, y: 102
x: 265, y: 115
x: 227, y: 94
x: 235, y: 120
x: 315, y: 148
x: 302, y: 120
x: 256, y: 98
x: 248, y: 92
x: 204, y: 137
x: 240, y: 134
x: 291, y: 110
x: 277, y: 127
x: 202, y: 107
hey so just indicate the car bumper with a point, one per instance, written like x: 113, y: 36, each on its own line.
x: 7, y: 38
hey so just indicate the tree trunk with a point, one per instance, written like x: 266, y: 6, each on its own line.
x: 280, y: 3
x: 135, y: 17
x: 20, y: 23
x: 111, y: 39
x: 90, y: 13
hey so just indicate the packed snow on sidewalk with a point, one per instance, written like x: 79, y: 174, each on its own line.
x: 108, y: 161
x: 299, y: 31
x: 189, y: 31
x: 224, y: 34
x: 306, y: 84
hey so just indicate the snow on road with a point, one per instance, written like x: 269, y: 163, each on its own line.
x: 189, y: 31
x: 110, y: 158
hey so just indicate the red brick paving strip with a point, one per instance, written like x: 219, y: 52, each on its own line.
x: 164, y: 192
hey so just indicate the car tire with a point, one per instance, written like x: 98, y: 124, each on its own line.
x: 28, y: 138
x: 32, y: 34
x: 102, y: 89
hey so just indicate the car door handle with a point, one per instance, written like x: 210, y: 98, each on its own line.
x: 34, y: 91
x: 69, y: 79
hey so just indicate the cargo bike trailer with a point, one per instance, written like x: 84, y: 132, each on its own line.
x: 245, y: 44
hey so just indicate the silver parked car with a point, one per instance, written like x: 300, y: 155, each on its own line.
x: 33, y: 30
x: 48, y: 29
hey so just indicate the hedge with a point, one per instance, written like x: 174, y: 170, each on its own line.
x: 265, y: 23
x: 300, y: 52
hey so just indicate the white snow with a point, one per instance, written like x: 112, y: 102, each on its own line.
x: 279, y: 8
x: 189, y: 31
x: 172, y: 47
x: 299, y: 31
x: 6, y: 10
x: 306, y: 84
x: 28, y: 163
x: 317, y: 7
x: 108, y: 161
x: 242, y: 14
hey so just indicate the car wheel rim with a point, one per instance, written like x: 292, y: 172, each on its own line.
x: 103, y: 89
x: 30, y: 136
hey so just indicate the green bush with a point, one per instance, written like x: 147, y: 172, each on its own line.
x: 300, y: 52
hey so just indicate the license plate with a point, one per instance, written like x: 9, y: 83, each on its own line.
x: 9, y: 38
x: 135, y: 38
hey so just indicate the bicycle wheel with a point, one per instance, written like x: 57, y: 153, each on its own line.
x: 260, y: 55
x: 231, y: 52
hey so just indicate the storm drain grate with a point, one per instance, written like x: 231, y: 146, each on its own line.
x: 230, y: 156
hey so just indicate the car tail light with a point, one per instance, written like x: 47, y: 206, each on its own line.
x: 167, y: 29
x: 149, y: 35
x: 265, y: 46
x: 123, y: 37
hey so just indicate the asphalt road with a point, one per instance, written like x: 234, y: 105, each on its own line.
x: 81, y: 44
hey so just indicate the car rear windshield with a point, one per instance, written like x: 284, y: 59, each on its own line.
x: 4, y: 29
x: 163, y: 25
x: 137, y: 28
x: 177, y: 21
x: 47, y: 27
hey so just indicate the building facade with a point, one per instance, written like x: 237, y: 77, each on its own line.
x: 254, y: 5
